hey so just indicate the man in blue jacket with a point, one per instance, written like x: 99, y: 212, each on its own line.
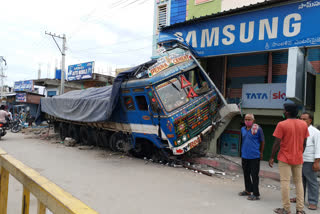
x: 251, y: 152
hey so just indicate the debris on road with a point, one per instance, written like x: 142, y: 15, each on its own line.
x: 85, y: 147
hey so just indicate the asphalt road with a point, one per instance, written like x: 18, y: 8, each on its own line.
x: 118, y: 184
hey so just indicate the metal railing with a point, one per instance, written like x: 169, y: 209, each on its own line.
x: 48, y: 194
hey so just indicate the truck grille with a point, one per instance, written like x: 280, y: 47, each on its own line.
x: 194, y: 122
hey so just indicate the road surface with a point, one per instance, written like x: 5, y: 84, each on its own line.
x: 118, y: 184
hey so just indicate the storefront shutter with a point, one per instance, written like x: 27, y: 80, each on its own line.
x: 245, y: 69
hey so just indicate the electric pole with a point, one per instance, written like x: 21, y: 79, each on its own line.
x: 2, y: 60
x: 63, y: 53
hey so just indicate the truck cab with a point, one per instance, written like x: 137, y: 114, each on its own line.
x: 172, y: 104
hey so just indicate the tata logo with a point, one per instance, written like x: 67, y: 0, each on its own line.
x: 257, y: 96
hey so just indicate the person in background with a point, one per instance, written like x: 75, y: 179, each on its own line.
x: 251, y: 152
x: 10, y: 115
x: 3, y: 114
x: 290, y: 137
x: 311, y: 163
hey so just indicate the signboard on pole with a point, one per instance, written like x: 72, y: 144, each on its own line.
x: 271, y: 28
x: 80, y: 71
x: 24, y: 85
x: 265, y: 96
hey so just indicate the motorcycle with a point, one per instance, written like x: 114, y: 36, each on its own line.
x: 2, y: 130
x: 15, y: 125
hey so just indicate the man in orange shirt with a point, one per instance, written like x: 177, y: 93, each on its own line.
x: 290, y: 137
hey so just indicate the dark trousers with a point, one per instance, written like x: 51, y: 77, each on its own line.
x: 251, y: 169
x: 310, y: 183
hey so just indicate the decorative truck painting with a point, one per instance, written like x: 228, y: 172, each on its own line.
x: 168, y: 105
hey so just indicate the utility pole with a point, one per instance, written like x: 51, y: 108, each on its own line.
x: 2, y: 60
x: 63, y: 53
x: 39, y: 71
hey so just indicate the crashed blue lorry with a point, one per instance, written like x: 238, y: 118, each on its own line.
x: 169, y: 104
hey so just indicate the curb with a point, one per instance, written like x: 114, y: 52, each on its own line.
x: 229, y: 166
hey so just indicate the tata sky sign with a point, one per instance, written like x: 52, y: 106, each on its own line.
x: 80, y: 71
x: 273, y: 28
x: 267, y: 96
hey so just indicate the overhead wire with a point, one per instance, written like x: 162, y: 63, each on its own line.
x: 118, y: 43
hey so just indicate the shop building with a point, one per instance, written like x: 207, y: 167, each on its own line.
x: 246, y: 53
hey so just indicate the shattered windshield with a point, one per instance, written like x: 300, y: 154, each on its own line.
x: 177, y: 91
x: 171, y: 94
x: 197, y: 81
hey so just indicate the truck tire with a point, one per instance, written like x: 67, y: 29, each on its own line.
x: 103, y: 140
x: 74, y: 132
x: 118, y: 142
x: 62, y: 131
x: 56, y: 127
x: 94, y: 137
x: 85, y: 135
x: 143, y: 148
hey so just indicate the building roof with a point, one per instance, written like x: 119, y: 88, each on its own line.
x: 231, y: 12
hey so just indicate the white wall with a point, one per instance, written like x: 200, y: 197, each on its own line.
x: 232, y: 4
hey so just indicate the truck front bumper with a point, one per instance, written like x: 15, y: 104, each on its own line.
x: 191, y: 143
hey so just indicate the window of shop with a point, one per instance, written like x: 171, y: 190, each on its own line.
x: 162, y: 16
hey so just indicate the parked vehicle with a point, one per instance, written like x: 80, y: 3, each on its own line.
x: 15, y: 125
x: 170, y: 104
x: 2, y: 130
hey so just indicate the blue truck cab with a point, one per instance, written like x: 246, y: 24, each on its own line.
x: 171, y: 104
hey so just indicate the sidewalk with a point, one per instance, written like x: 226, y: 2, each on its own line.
x: 233, y: 164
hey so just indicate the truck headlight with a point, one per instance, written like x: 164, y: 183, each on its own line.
x: 179, y: 141
x: 184, y: 138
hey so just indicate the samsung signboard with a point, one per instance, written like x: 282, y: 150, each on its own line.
x: 80, y: 71
x: 272, y: 28
x: 264, y: 96
x: 24, y: 85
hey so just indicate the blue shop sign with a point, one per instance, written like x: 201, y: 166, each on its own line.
x: 80, y: 71
x: 23, y: 85
x: 266, y: 29
x: 21, y: 97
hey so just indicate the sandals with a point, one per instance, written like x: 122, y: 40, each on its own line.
x: 300, y: 212
x: 253, y: 198
x: 244, y: 193
x: 312, y: 207
x: 281, y: 211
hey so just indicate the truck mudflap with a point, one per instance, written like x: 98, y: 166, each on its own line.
x: 191, y: 143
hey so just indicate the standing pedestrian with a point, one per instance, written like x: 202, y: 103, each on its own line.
x: 251, y: 152
x: 290, y: 137
x: 311, y: 163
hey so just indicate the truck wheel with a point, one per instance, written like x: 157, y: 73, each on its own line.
x: 103, y: 139
x: 62, y: 131
x: 56, y: 127
x: 118, y: 142
x: 143, y: 148
x: 73, y: 132
x: 93, y: 140
x: 84, y: 135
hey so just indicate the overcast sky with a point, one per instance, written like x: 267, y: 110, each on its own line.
x: 113, y: 33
